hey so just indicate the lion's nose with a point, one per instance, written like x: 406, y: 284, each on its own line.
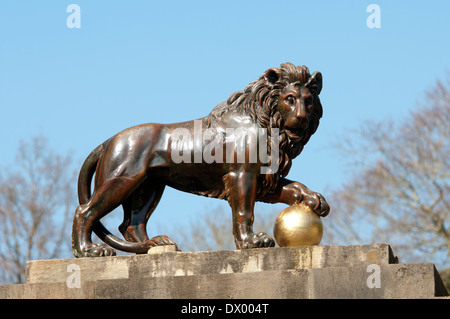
x: 302, y: 116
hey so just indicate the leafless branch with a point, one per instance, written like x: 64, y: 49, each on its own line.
x: 401, y: 180
x: 37, y: 196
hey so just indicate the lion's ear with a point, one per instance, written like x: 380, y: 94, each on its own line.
x: 271, y: 76
x: 315, y: 82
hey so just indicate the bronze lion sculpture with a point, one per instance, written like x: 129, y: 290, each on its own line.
x: 133, y: 167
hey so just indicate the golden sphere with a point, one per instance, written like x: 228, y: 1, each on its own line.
x: 297, y: 225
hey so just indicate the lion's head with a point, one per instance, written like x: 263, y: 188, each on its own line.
x: 286, y: 98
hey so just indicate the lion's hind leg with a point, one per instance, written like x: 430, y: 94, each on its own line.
x: 107, y: 197
x: 138, y: 208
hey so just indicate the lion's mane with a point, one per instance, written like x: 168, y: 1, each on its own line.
x: 260, y: 102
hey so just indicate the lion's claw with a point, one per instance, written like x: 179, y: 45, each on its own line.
x: 162, y: 240
x: 299, y: 193
x: 255, y: 241
x: 317, y: 203
x: 98, y: 250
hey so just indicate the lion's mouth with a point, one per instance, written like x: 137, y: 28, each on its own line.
x: 295, y: 134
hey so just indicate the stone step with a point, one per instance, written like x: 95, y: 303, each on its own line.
x: 395, y: 281
x: 363, y: 271
x: 209, y: 262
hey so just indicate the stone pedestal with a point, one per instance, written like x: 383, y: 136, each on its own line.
x: 366, y: 271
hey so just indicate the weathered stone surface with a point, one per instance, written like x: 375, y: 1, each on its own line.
x: 396, y: 281
x: 266, y: 273
x: 210, y: 262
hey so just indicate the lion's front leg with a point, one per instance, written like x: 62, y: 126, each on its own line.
x: 291, y: 193
x: 241, y: 188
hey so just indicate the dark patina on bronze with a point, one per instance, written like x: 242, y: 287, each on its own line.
x: 133, y: 167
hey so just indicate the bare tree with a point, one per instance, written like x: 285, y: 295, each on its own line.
x: 37, y: 196
x: 399, y: 189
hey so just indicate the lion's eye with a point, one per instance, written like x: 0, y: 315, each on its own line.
x: 290, y: 99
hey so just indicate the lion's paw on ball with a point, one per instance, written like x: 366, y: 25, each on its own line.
x: 297, y: 225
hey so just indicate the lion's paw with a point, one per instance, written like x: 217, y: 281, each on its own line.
x: 317, y: 203
x: 162, y: 240
x: 255, y: 241
x: 299, y: 193
x: 98, y: 250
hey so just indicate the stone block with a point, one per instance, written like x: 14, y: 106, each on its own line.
x: 174, y: 263
x: 363, y: 271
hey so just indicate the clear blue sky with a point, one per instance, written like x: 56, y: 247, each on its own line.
x: 133, y: 62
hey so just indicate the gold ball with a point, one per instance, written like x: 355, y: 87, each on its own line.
x: 297, y: 225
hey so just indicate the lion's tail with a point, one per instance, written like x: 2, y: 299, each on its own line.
x: 87, y: 172
x: 84, y: 193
